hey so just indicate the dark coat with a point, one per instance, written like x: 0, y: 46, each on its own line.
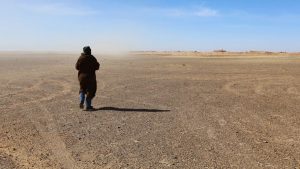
x: 86, y: 66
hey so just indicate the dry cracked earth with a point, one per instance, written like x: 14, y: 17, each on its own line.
x: 152, y: 112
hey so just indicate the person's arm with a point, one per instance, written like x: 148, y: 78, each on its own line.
x: 96, y: 64
x: 78, y: 63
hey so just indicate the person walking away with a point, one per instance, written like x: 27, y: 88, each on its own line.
x: 87, y: 65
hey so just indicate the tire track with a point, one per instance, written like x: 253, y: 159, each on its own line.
x: 261, y: 86
x: 48, y: 130
x: 46, y: 125
x: 31, y: 88
x: 66, y: 89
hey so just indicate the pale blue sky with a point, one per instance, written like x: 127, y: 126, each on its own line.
x: 114, y: 25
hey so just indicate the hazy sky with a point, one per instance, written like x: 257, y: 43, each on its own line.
x: 68, y: 25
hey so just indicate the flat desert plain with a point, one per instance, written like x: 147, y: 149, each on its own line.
x: 152, y: 112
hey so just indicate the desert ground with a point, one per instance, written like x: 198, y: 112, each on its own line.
x: 153, y: 111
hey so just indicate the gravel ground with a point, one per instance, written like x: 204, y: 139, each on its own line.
x: 152, y: 112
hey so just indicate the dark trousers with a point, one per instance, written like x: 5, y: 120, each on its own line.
x: 88, y: 88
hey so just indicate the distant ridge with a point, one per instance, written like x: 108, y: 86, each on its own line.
x: 215, y: 53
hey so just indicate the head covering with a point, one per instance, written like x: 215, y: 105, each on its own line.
x: 87, y: 50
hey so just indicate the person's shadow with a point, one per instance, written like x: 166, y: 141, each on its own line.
x: 129, y: 109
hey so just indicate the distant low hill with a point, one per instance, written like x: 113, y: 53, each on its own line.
x: 215, y: 53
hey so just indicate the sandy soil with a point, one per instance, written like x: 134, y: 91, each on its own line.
x: 153, y: 112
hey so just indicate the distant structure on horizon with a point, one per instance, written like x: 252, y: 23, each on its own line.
x: 220, y: 50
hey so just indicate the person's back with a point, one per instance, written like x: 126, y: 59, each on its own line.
x: 86, y: 65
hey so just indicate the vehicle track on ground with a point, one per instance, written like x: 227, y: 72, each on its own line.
x: 46, y: 124
x: 49, y: 130
x: 262, y: 86
x: 66, y: 89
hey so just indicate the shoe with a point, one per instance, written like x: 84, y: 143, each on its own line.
x: 90, y: 109
x: 81, y: 106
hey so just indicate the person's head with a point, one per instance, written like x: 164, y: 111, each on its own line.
x: 87, y: 50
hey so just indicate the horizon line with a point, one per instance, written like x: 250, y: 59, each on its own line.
x: 133, y: 51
